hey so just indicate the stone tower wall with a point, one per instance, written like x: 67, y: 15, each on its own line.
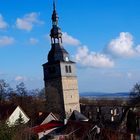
x: 54, y: 97
x: 62, y: 96
x: 70, y: 95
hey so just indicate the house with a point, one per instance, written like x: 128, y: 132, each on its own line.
x: 77, y: 128
x: 40, y: 118
x: 45, y: 128
x: 138, y: 122
x: 12, y: 113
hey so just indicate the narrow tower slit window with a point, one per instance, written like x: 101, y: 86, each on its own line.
x: 66, y: 68
x: 69, y: 69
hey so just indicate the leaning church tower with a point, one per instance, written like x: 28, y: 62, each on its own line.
x: 60, y: 79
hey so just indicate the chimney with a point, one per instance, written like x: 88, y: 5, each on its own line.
x: 40, y: 113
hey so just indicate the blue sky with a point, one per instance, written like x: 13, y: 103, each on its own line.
x: 102, y: 36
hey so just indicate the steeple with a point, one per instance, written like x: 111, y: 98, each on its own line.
x: 56, y: 35
x: 53, y: 4
x: 60, y: 79
x: 57, y: 52
x: 54, y: 15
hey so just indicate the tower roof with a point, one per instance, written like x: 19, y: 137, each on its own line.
x: 55, y: 31
x: 77, y: 116
x: 57, y: 52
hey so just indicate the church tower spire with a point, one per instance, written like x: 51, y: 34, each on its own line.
x: 56, y: 35
x: 60, y: 79
x: 54, y: 11
x: 53, y: 4
x: 57, y: 52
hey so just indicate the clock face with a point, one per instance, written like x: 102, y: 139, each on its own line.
x: 67, y: 59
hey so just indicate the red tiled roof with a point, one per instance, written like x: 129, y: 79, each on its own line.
x: 47, y: 126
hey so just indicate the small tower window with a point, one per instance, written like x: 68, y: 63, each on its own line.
x: 66, y: 68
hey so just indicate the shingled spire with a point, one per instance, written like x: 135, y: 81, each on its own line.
x: 57, y: 52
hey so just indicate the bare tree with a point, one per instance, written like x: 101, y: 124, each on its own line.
x: 3, y: 90
x: 135, y: 94
x: 21, y: 89
x: 22, y: 95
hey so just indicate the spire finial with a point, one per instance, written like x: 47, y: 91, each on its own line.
x: 54, y: 5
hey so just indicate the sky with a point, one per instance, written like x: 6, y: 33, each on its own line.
x: 102, y: 36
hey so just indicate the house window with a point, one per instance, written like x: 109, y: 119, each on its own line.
x: 98, y: 110
x: 115, y: 111
x: 89, y: 115
x: 112, y: 119
x: 112, y: 111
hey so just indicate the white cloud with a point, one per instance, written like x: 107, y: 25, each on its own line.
x: 123, y: 46
x: 129, y: 75
x: 33, y: 41
x: 138, y: 49
x: 84, y: 57
x: 28, y: 21
x: 5, y: 40
x: 92, y: 59
x: 20, y: 78
x: 3, y: 24
x: 69, y: 40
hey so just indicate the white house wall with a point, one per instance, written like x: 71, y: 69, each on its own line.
x: 49, y: 118
x: 15, y: 116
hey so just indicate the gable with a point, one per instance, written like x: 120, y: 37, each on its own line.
x: 49, y: 118
x: 15, y: 116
